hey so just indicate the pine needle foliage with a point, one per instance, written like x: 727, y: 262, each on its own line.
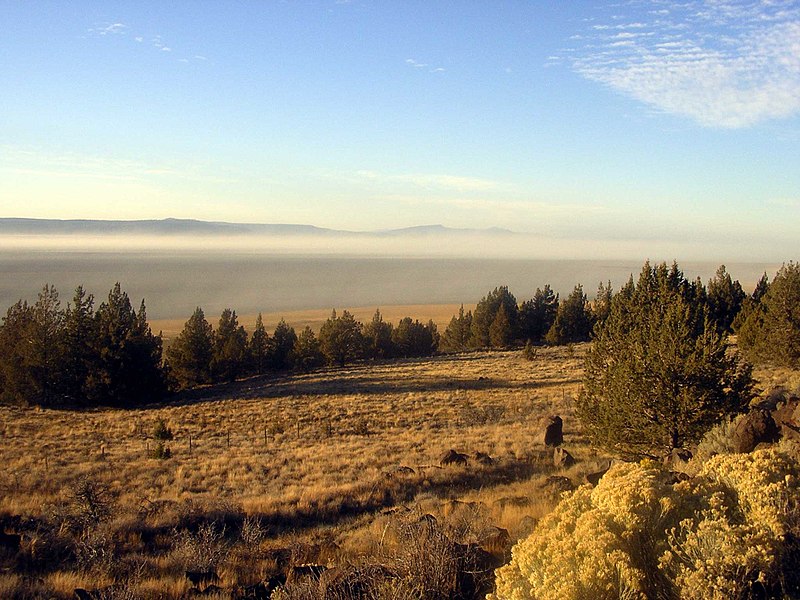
x: 659, y: 373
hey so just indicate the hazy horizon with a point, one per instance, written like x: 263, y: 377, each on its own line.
x: 174, y: 283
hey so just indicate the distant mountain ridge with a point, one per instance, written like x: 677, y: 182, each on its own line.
x: 171, y: 226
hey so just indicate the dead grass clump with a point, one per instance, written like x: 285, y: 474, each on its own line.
x: 203, y: 550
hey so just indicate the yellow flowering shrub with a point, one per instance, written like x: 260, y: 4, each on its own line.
x: 640, y: 535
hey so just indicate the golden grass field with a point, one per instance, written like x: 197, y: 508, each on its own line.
x: 315, y: 457
x: 299, y: 319
x: 309, y: 454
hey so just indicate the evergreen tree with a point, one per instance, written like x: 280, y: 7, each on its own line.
x: 500, y: 333
x: 457, y: 333
x: 45, y: 353
x: 751, y: 303
x: 259, y: 347
x: 283, y: 340
x: 189, y: 355
x: 573, y: 321
x: 602, y: 302
x: 761, y: 289
x: 17, y: 385
x: 307, y: 353
x: 81, y: 347
x: 486, y: 312
x: 341, y: 339
x: 654, y: 379
x: 129, y: 366
x: 412, y: 338
x: 230, y: 348
x: 538, y: 314
x: 725, y: 298
x: 771, y: 333
x: 378, y: 338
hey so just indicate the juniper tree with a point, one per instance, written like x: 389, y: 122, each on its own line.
x: 129, y: 368
x: 573, y: 322
x: 536, y: 315
x: 283, y: 340
x: 16, y: 383
x: 189, y: 355
x: 501, y: 334
x: 307, y: 353
x: 486, y: 312
x: 45, y: 354
x: 659, y: 374
x: 378, y: 338
x: 456, y: 335
x: 341, y: 339
x: 412, y: 338
x: 230, y: 348
x: 80, y: 342
x: 771, y: 333
x: 258, y: 349
x: 725, y: 298
x: 602, y: 302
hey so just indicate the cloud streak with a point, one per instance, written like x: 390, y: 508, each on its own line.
x: 722, y: 63
x: 120, y: 29
x: 415, y: 64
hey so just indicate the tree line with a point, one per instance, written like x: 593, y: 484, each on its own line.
x: 79, y: 355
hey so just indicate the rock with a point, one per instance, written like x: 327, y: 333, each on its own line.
x: 512, y: 501
x: 453, y: 458
x: 594, y: 478
x: 554, y: 435
x: 562, y: 459
x: 483, y: 458
x: 497, y: 542
x: 755, y: 427
x: 556, y: 484
x: 787, y: 418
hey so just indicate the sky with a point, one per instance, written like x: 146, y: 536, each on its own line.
x: 644, y: 126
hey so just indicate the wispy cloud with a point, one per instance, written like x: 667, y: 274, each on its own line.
x: 25, y: 161
x: 152, y: 41
x: 411, y: 62
x: 430, y: 181
x: 723, y: 63
x: 110, y: 29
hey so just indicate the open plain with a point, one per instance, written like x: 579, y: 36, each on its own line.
x: 324, y: 455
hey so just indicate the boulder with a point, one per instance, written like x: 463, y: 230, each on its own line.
x: 556, y: 484
x: 752, y: 429
x: 483, y: 459
x: 594, y: 478
x: 562, y: 459
x: 453, y: 458
x: 787, y: 418
x: 554, y: 435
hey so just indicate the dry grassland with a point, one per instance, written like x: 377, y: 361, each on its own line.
x: 299, y: 319
x: 310, y: 456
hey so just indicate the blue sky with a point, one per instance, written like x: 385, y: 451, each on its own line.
x: 666, y: 123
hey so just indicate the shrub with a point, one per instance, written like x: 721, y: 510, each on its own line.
x: 529, y: 351
x: 161, y: 452
x: 161, y: 431
x: 721, y: 534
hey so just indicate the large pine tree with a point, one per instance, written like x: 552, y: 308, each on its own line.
x: 129, y: 367
x: 259, y: 348
x: 341, y: 339
x: 659, y: 374
x: 189, y: 355
x: 228, y: 359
